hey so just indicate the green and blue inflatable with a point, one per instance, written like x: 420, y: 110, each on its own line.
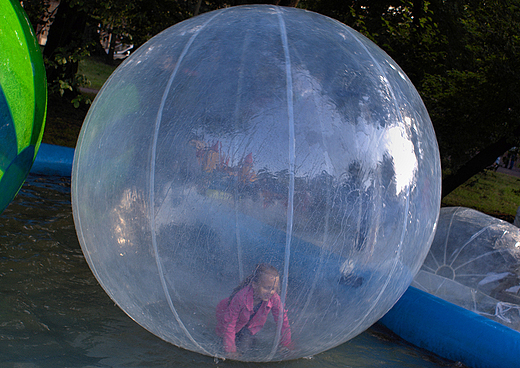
x: 23, y: 99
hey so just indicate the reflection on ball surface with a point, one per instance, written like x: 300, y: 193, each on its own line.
x: 249, y: 135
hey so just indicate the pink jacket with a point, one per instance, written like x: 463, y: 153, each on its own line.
x: 232, y: 317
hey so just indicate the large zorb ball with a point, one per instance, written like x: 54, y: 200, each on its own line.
x: 257, y: 134
x: 23, y: 99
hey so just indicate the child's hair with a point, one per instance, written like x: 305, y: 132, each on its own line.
x: 260, y: 269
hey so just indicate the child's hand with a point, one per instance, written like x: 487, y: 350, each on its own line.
x: 289, y: 346
x: 286, y: 350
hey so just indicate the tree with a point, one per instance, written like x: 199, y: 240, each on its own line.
x: 39, y: 13
x: 463, y: 57
x: 78, y: 24
x: 474, y: 99
x: 70, y: 38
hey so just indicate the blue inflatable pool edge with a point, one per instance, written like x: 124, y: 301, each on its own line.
x: 453, y: 332
x: 53, y: 160
x: 420, y: 318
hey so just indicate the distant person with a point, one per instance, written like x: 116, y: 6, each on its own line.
x: 496, y: 164
x: 517, y: 218
x: 245, y: 312
x: 512, y: 161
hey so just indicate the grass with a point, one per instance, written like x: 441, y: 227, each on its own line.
x: 490, y: 192
x: 96, y: 71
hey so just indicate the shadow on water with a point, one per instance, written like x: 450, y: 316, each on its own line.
x: 53, y: 313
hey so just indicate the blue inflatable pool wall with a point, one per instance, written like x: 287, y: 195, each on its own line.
x: 453, y: 332
x: 53, y: 161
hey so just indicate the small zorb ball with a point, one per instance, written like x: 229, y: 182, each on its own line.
x: 23, y: 99
x: 248, y: 135
x: 474, y: 262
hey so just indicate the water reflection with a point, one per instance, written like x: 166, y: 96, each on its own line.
x: 53, y: 313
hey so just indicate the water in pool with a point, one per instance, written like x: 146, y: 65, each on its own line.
x: 53, y: 313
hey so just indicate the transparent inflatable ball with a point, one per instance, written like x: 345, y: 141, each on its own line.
x: 257, y: 183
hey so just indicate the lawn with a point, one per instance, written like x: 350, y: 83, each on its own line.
x: 96, y: 71
x: 490, y: 192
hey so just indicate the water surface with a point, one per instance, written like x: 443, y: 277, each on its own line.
x: 53, y: 313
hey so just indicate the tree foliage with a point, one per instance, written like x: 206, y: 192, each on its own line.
x: 78, y: 25
x: 472, y: 95
x: 462, y: 56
